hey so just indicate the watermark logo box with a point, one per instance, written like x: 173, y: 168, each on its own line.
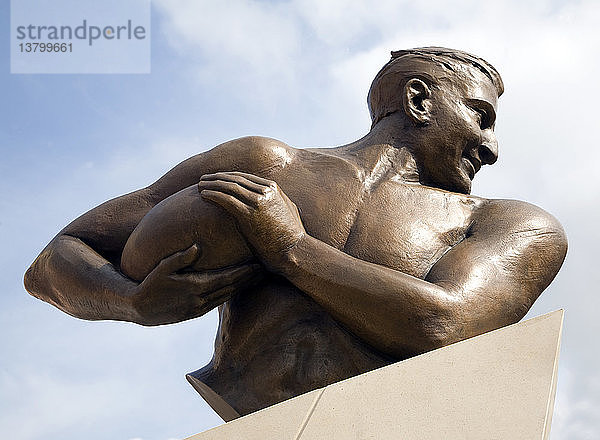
x: 80, y: 36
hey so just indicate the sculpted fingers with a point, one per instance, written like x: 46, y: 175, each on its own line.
x: 234, y: 189
x: 236, y: 275
x: 239, y: 178
x: 233, y: 282
x: 265, y: 216
x: 179, y: 260
x: 256, y: 179
x: 215, y: 280
x: 228, y: 202
x: 214, y: 299
x: 250, y: 181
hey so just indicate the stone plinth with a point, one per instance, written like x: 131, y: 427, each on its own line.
x: 499, y: 385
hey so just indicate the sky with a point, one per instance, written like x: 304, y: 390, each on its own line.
x: 298, y: 71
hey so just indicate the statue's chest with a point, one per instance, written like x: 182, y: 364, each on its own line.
x: 408, y: 227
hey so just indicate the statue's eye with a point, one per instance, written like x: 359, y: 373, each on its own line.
x: 484, y: 118
x: 485, y: 112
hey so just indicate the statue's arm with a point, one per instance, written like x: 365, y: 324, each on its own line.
x: 487, y: 281
x: 70, y: 275
x: 490, y: 279
x: 78, y: 271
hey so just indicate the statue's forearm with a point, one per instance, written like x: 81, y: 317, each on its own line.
x: 392, y: 311
x: 73, y: 277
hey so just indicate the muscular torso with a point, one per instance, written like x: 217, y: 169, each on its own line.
x: 277, y: 335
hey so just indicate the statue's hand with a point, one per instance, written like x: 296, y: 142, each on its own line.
x: 168, y: 295
x: 265, y: 215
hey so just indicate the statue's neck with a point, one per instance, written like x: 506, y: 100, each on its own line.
x: 384, y: 153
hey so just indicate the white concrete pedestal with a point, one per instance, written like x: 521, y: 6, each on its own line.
x: 499, y: 385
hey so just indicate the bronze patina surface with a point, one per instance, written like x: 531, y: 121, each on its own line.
x: 324, y: 262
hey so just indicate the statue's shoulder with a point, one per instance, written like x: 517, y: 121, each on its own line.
x: 517, y: 218
x: 259, y: 151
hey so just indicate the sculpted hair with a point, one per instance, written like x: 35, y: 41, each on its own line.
x: 384, y: 95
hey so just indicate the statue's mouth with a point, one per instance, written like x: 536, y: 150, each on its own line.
x: 472, y: 165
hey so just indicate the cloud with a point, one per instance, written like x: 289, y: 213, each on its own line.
x: 576, y: 414
x: 247, y: 45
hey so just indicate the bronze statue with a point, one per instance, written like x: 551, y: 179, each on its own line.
x: 324, y: 262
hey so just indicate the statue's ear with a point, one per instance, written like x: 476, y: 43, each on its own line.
x: 417, y: 100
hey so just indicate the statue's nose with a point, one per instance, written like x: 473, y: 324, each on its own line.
x: 488, y: 150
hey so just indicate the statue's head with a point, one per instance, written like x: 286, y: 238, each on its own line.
x: 447, y: 100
